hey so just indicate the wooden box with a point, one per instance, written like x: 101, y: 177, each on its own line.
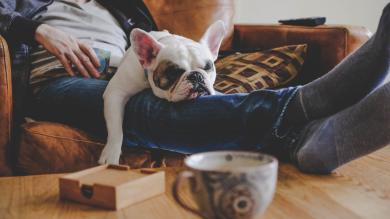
x: 111, y: 186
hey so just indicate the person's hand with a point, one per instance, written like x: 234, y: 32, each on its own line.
x: 68, y: 50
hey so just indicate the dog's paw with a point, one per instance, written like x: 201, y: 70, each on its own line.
x: 110, y: 155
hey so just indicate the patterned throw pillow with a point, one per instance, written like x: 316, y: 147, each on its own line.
x: 245, y: 72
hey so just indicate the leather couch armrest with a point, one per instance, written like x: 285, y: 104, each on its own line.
x: 328, y: 44
x: 5, y: 107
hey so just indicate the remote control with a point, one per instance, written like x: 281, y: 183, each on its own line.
x: 310, y: 21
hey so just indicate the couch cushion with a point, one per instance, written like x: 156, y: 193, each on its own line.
x: 249, y: 71
x: 52, y: 147
x: 327, y: 44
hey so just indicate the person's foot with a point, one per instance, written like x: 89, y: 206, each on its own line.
x: 351, y: 80
x: 328, y: 143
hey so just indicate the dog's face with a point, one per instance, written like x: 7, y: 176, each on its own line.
x: 179, y: 68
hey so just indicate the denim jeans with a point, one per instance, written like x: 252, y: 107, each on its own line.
x: 245, y: 121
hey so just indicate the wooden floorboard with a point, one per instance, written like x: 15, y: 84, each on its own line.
x: 371, y: 172
x: 360, y: 189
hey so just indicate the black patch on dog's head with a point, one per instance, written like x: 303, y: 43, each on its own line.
x: 166, y: 74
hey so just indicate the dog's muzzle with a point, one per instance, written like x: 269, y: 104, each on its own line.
x: 198, y: 82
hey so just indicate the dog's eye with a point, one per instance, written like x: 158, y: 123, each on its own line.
x: 173, y: 73
x: 208, y: 66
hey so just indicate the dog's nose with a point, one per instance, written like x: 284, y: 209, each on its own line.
x: 195, y: 77
x: 197, y: 80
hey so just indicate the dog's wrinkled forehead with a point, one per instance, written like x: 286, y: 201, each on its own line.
x: 168, y: 66
x: 183, y: 52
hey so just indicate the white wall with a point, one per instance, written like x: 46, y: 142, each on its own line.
x: 356, y: 12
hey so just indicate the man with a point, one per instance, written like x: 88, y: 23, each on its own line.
x: 319, y: 126
x: 19, y: 29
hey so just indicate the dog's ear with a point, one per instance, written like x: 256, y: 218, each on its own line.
x: 145, y: 46
x: 213, y: 37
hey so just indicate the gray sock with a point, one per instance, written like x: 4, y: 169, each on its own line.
x: 353, y: 78
x: 356, y: 131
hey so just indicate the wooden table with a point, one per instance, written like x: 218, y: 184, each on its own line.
x: 358, y: 190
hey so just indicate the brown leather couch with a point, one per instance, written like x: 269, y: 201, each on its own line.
x: 44, y: 147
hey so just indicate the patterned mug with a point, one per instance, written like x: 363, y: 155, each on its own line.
x: 229, y: 184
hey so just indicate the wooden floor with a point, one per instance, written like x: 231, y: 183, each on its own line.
x: 360, y: 189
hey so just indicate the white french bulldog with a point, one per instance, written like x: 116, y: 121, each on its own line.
x: 176, y: 68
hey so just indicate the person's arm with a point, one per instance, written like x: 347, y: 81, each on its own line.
x: 18, y: 29
x: 14, y: 27
x: 68, y: 50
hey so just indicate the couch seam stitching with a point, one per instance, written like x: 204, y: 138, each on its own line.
x: 291, y: 27
x: 66, y: 138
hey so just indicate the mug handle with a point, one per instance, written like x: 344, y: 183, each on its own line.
x: 175, y: 192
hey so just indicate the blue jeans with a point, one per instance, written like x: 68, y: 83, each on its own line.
x: 220, y: 122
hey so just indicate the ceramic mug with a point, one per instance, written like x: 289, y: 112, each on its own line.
x: 229, y: 184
